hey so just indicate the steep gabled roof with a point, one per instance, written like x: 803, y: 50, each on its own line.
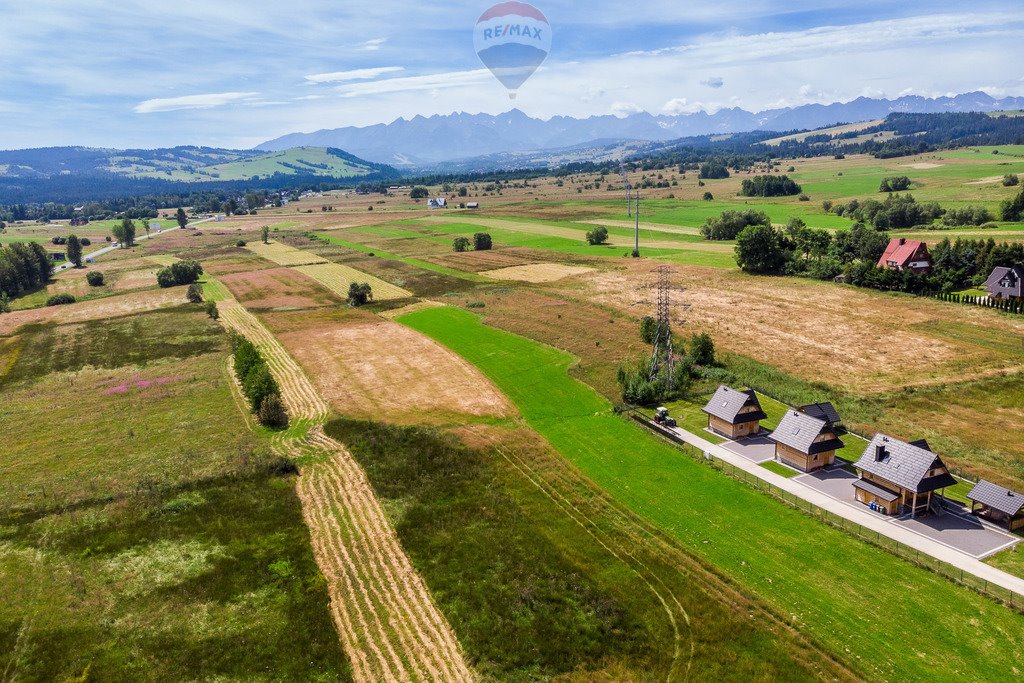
x: 901, y: 252
x: 727, y: 403
x: 799, y: 430
x: 1006, y: 281
x: 906, y: 465
x: 823, y: 411
x: 997, y: 498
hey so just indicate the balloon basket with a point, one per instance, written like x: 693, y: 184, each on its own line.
x: 512, y: 95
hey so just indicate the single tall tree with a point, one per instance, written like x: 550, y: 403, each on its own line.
x: 125, y: 232
x: 74, y: 251
x: 265, y: 233
x: 182, y: 218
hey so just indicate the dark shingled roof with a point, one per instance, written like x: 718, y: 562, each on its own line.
x: 875, y: 490
x: 823, y: 411
x: 1006, y: 282
x: 799, y: 430
x: 727, y: 403
x: 997, y: 498
x: 904, y: 464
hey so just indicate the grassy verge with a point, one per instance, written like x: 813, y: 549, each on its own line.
x: 779, y: 469
x: 790, y: 560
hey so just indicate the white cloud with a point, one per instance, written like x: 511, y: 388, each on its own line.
x: 624, y: 109
x: 432, y: 82
x: 373, y: 45
x: 208, y: 101
x: 713, y: 82
x: 353, y: 74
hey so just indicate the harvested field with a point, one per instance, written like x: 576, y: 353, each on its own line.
x: 422, y: 382
x: 477, y: 261
x: 656, y: 227
x: 234, y: 263
x: 537, y: 272
x: 134, y: 279
x: 851, y: 338
x: 163, y: 259
x: 108, y: 307
x: 337, y: 278
x: 282, y: 254
x: 278, y: 288
x: 387, y: 621
x: 923, y: 166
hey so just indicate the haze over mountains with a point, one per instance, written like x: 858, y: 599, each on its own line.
x: 425, y: 141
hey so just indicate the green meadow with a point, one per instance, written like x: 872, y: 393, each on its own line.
x: 843, y: 593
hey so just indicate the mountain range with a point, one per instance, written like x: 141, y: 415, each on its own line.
x: 423, y: 142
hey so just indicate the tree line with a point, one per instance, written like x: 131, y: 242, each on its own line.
x: 23, y: 267
x: 258, y: 384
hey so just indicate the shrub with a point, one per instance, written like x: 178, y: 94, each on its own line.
x: 708, y: 197
x: 240, y: 243
x: 94, y: 278
x: 272, y: 412
x: 179, y: 273
x: 359, y: 294
x: 476, y: 304
x: 894, y: 184
x: 212, y: 310
x: 60, y: 300
x: 702, y: 350
x: 1011, y: 180
x: 598, y: 235
x: 804, y: 198
x: 1013, y: 209
x: 419, y: 193
x: 194, y: 293
x: 482, y: 241
x: 85, y: 241
x: 648, y: 328
x: 461, y: 244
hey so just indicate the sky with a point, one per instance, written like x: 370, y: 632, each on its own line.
x: 232, y: 73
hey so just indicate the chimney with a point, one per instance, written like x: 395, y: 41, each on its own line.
x: 903, y: 240
x: 879, y: 453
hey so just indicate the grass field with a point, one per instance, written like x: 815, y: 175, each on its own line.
x: 145, y: 533
x: 545, y: 579
x: 791, y: 561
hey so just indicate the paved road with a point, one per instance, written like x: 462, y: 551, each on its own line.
x: 91, y: 256
x: 865, y: 518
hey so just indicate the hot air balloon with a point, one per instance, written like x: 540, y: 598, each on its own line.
x: 512, y: 39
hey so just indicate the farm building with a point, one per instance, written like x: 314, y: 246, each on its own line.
x: 438, y: 203
x: 903, y: 254
x: 997, y: 504
x: 1006, y: 283
x: 895, y: 475
x: 473, y: 205
x: 805, y: 442
x: 734, y: 413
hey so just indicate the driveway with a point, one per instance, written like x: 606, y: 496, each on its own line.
x: 957, y: 530
x: 960, y: 531
x: 756, y: 449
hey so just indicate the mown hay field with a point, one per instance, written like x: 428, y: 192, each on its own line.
x: 537, y: 272
x: 283, y: 254
x: 279, y: 288
x: 338, y: 277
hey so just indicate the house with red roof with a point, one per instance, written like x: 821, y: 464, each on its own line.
x: 903, y: 254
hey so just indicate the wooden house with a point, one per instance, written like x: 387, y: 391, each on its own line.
x: 805, y: 442
x: 824, y: 411
x: 1000, y: 505
x: 1006, y: 283
x: 733, y: 413
x: 898, y: 476
x: 903, y: 254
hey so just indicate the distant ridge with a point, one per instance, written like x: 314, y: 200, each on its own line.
x: 424, y: 141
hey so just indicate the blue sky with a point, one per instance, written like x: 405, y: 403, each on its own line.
x: 149, y: 73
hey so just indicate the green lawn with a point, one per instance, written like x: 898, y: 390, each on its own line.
x: 780, y: 469
x: 847, y: 595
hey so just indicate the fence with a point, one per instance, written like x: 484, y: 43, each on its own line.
x: 998, y: 593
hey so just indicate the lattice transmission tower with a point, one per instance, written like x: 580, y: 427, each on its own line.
x: 663, y: 356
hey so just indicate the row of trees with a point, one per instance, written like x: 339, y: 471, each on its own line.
x: 770, y: 186
x: 731, y: 223
x: 258, y: 385
x: 23, y: 267
x: 1008, y: 305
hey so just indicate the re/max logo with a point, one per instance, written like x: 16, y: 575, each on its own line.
x: 512, y: 30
